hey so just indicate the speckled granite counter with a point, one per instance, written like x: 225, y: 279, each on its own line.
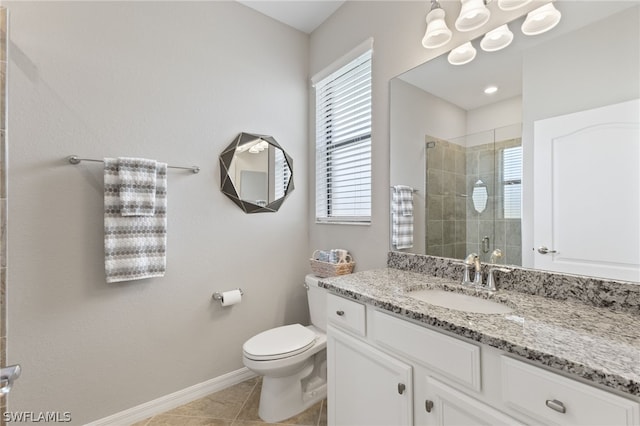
x: 595, y: 343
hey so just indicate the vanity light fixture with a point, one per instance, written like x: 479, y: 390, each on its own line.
x: 512, y: 4
x: 437, y: 34
x: 259, y: 147
x: 473, y: 15
x: 462, y: 54
x: 541, y: 20
x: 497, y: 39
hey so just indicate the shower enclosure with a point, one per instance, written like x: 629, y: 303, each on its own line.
x: 473, y: 196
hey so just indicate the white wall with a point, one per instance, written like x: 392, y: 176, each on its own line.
x: 499, y: 115
x: 414, y: 115
x: 175, y: 81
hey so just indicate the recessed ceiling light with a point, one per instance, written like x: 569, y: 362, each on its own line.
x: 490, y: 90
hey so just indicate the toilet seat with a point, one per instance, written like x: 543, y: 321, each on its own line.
x: 279, y: 342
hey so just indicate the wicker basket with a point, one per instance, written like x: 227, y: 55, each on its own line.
x: 326, y: 269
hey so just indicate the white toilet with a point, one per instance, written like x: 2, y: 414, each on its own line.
x: 292, y: 360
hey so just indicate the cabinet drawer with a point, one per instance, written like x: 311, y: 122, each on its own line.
x: 544, y: 396
x: 451, y: 357
x: 346, y: 314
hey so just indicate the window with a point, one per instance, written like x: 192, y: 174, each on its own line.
x: 512, y: 182
x: 282, y: 174
x: 343, y: 143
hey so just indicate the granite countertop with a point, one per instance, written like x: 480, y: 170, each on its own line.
x: 597, y: 344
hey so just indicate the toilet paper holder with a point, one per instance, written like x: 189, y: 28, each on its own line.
x: 218, y: 295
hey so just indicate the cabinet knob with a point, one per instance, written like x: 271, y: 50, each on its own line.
x: 556, y: 405
x: 428, y: 405
x: 340, y: 313
x: 401, y: 388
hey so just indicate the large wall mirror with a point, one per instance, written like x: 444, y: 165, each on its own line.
x: 470, y: 156
x: 256, y: 173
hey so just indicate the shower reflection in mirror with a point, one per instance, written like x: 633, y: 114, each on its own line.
x: 473, y: 195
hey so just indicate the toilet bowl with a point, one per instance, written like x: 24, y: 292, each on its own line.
x: 292, y: 360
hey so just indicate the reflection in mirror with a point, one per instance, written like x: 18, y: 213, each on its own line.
x: 589, y: 60
x: 480, y: 196
x: 473, y: 195
x: 256, y: 173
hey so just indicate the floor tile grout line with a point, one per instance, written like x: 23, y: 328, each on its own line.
x: 320, y: 413
x: 245, y: 401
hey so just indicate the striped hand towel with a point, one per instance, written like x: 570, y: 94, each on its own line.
x: 135, y: 246
x: 402, y: 217
x: 137, y: 186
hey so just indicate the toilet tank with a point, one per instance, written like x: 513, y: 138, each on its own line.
x: 317, y: 298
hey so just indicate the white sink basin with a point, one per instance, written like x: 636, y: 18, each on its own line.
x: 460, y: 302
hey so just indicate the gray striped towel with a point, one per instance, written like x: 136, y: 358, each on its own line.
x: 135, y: 246
x: 402, y: 217
x: 137, y: 186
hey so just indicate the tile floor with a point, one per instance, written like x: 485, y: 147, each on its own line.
x: 235, y: 406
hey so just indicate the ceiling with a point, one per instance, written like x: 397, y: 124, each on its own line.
x: 303, y: 15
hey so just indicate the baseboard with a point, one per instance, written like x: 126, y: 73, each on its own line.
x: 176, y: 399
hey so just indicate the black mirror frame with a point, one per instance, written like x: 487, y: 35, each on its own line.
x: 226, y: 183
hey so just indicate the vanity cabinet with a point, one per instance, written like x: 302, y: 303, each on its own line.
x: 366, y: 386
x: 386, y: 370
x: 554, y: 399
x: 452, y: 407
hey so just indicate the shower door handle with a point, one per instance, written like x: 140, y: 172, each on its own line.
x: 7, y: 376
x: 485, y: 244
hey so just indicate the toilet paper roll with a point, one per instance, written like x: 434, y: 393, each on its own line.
x: 231, y: 297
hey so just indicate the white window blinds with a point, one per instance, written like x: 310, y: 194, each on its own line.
x: 512, y: 181
x: 282, y: 174
x: 343, y: 143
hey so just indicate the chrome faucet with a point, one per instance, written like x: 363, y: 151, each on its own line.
x: 491, y: 279
x: 477, y: 280
x: 472, y: 261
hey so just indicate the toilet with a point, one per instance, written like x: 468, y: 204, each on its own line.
x: 292, y: 360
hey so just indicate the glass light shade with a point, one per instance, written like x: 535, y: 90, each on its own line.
x: 541, y: 20
x: 438, y: 34
x: 497, y: 39
x: 512, y: 4
x: 462, y: 54
x: 473, y: 15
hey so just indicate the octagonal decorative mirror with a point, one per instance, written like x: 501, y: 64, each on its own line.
x: 256, y: 173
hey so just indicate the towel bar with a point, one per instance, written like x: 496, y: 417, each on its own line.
x: 74, y: 159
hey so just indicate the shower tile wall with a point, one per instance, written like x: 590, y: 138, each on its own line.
x: 454, y: 227
x: 446, y: 205
x: 3, y: 195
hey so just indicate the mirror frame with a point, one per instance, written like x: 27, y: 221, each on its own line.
x: 226, y: 182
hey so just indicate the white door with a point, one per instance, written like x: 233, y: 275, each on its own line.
x: 366, y: 387
x: 587, y: 192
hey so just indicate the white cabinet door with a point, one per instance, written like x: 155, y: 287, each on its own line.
x: 366, y: 387
x: 587, y: 192
x: 449, y: 407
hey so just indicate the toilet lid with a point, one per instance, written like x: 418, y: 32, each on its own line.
x: 279, y: 342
